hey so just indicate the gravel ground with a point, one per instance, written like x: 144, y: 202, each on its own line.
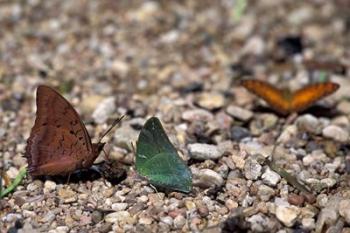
x: 179, y: 61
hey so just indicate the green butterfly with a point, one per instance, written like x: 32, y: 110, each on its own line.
x: 158, y: 161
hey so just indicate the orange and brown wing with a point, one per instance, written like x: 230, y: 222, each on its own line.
x: 269, y: 93
x: 58, y: 140
x: 308, y: 95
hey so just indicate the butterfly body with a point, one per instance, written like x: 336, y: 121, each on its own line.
x: 158, y: 161
x: 286, y: 102
x: 59, y: 142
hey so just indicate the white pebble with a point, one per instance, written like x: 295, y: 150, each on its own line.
x: 206, y: 178
x: 104, y: 110
x: 203, y: 151
x: 239, y: 113
x: 336, y: 133
x: 270, y: 177
x: 287, y: 214
x: 49, y: 186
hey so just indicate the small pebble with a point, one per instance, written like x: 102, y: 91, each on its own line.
x: 67, y: 195
x: 207, y: 178
x: 60, y: 229
x: 202, y: 151
x: 262, y: 123
x: 238, y: 133
x: 145, y: 220
x: 96, y: 216
x: 124, y: 136
x: 48, y: 217
x: 119, y: 206
x: 265, y: 192
x: 329, y: 182
x: 257, y: 222
x: 295, y: 199
x: 167, y: 220
x: 103, y: 110
x: 270, y: 177
x: 287, y: 214
x: 89, y: 103
x: 119, y: 216
x: 252, y: 169
x: 179, y: 222
x: 344, y: 210
x: 211, y: 101
x: 49, y: 186
x: 239, y: 113
x: 308, y: 223
x: 12, y: 172
x: 336, y: 133
x: 197, y: 115
x: 309, y: 123
x: 287, y: 134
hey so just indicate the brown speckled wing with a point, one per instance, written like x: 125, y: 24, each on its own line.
x: 59, y: 141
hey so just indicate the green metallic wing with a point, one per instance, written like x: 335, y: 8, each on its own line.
x: 158, y: 161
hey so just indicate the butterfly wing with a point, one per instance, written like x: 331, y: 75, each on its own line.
x: 308, y: 95
x: 59, y: 141
x: 157, y: 159
x: 269, y: 93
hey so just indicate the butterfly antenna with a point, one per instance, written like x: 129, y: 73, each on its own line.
x: 116, y: 122
x: 133, y: 148
x: 106, y: 156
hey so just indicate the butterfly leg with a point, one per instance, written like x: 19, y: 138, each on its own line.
x: 155, y: 189
x: 68, y: 178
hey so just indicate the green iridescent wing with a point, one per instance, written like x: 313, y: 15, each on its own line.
x: 158, y: 161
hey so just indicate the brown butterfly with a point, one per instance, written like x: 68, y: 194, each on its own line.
x: 59, y: 142
x: 285, y: 102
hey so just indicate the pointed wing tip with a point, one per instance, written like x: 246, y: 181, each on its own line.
x: 336, y: 86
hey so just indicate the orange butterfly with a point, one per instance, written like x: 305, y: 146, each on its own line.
x: 285, y: 102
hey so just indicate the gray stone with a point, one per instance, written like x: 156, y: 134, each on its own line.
x: 104, y: 110
x: 167, y: 220
x: 60, y: 229
x: 258, y: 223
x: 49, y: 186
x: 262, y: 123
x: 344, y: 210
x: 309, y: 123
x: 207, y: 178
x: 265, y: 192
x: 179, y: 221
x: 119, y: 206
x: 287, y: 214
x: 238, y: 133
x: 239, y: 113
x: 336, y: 133
x: 197, y: 115
x: 329, y: 213
x: 117, y: 216
x: 48, y: 217
x: 211, y: 101
x: 308, y: 223
x: 252, y: 169
x: 270, y: 177
x: 203, y: 151
x: 124, y: 136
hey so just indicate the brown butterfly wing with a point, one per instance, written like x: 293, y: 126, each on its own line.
x: 308, y: 95
x: 269, y: 93
x: 59, y: 142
